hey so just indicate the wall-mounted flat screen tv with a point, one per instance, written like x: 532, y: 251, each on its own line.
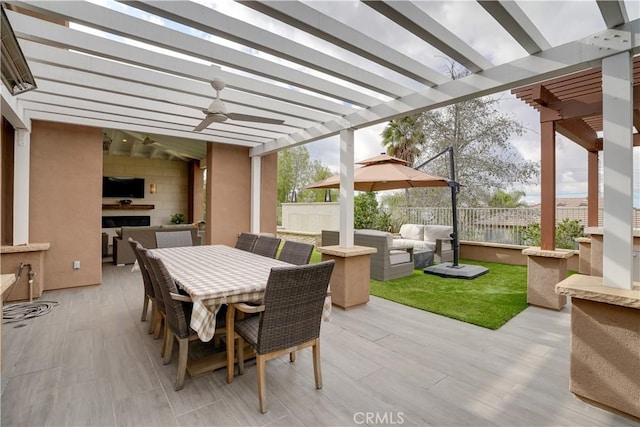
x: 113, y: 186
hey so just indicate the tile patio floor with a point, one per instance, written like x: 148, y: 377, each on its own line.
x: 91, y: 363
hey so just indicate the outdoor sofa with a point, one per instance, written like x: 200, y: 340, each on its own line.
x: 122, y: 252
x: 436, y: 238
x: 387, y: 263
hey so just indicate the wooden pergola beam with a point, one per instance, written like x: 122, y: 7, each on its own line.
x: 580, y: 133
x: 543, y: 96
x: 548, y: 186
x: 636, y: 141
x: 577, y: 107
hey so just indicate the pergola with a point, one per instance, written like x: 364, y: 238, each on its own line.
x: 574, y: 106
x: 144, y: 68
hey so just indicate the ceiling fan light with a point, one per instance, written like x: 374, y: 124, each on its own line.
x: 217, y: 106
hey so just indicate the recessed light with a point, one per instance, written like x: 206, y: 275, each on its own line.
x: 124, y: 140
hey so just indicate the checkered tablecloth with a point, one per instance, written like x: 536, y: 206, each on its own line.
x: 213, y: 275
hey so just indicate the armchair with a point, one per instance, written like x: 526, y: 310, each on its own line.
x: 388, y: 262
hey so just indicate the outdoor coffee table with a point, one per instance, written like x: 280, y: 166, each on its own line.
x: 422, y: 258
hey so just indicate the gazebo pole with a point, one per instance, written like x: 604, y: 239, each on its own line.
x: 455, y: 188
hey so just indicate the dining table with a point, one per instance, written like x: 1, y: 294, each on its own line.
x: 214, y: 275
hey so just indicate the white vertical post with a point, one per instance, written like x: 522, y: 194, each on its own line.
x: 256, y: 180
x: 346, y: 188
x: 617, y: 97
x: 22, y: 151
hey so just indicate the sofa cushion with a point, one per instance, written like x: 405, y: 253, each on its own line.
x: 398, y: 257
x: 433, y: 232
x: 408, y: 244
x: 366, y: 232
x: 412, y: 231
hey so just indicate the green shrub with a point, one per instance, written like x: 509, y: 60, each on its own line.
x: 367, y: 215
x: 566, y: 233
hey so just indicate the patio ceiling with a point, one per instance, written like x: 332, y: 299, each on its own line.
x: 142, y: 69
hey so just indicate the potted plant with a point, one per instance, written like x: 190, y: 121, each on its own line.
x: 178, y: 218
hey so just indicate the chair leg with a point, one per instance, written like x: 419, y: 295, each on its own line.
x: 145, y: 307
x: 168, y: 349
x: 292, y: 356
x: 158, y: 325
x: 230, y: 342
x: 165, y: 337
x: 240, y: 356
x: 262, y: 382
x: 183, y: 353
x: 317, y: 371
x: 154, y: 316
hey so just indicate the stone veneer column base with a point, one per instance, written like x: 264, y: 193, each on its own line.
x: 544, y: 270
x: 350, y: 281
x: 597, y: 246
x: 584, y: 264
x: 605, y: 343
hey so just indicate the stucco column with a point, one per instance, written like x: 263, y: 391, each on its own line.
x: 544, y: 270
x: 21, y: 161
x: 605, y: 342
x: 256, y: 162
x: 346, y: 188
x: 617, y: 100
x: 584, y: 246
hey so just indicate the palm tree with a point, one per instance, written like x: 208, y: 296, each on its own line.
x: 403, y: 138
x: 502, y: 199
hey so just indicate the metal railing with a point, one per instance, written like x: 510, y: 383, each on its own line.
x: 496, y: 225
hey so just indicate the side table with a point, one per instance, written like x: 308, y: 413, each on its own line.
x: 422, y: 258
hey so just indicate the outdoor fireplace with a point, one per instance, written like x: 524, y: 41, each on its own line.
x: 126, y: 221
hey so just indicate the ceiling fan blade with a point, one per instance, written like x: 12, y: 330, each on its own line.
x: 206, y: 122
x: 250, y: 118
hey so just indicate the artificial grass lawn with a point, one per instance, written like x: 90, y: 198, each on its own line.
x: 489, y: 300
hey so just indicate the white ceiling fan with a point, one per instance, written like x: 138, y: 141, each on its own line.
x: 217, y: 111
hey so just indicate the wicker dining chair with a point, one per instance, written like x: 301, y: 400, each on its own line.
x: 289, y: 319
x: 266, y: 246
x: 173, y: 239
x: 298, y: 253
x: 178, y: 316
x: 160, y: 318
x: 246, y: 241
x: 149, y: 294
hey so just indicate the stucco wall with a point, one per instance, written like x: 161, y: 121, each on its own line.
x: 268, y: 190
x: 311, y: 217
x: 65, y: 201
x: 169, y: 176
x: 228, y: 193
